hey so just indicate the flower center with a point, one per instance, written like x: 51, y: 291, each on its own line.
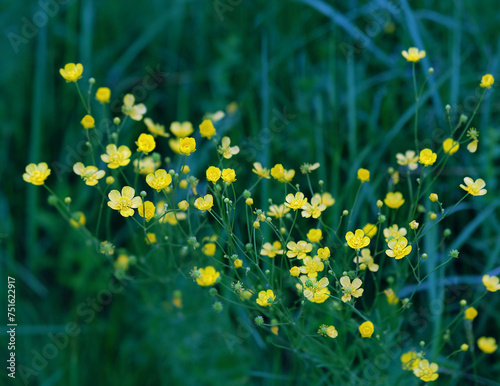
x: 124, y: 203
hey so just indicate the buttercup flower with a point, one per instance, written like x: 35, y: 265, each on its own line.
x: 327, y: 199
x: 324, y: 253
x: 78, y: 219
x: 295, y: 271
x: 351, y: 289
x: 103, y: 94
x: 394, y: 200
x: 450, y: 146
x: 213, y: 174
x: 71, y: 72
x: 487, y: 81
x: 391, y: 296
x: 124, y: 202
x: 363, y: 175
x: 413, y: 54
x: 314, y: 208
x: 433, y: 197
x: 370, y: 230
x: 410, y: 360
x: 226, y: 149
x: 271, y: 250
x: 266, y: 298
x: 238, y: 263
x: 357, y: 240
x: 89, y: 174
x: 36, y: 174
x: 491, y: 283
x: 88, y: 122
x: 366, y: 260
x: 314, y: 235
x: 145, y: 143
x: 398, y: 248
x: 394, y: 232
x: 147, y: 210
x: 116, y: 157
x: 299, y: 250
x: 205, y: 203
x: 470, y: 313
x: 295, y: 202
x: 183, y: 205
x: 427, y: 157
x: 308, y: 168
x: 207, y: 129
x: 228, y: 175
x: 208, y: 276
x: 260, y: 171
x: 278, y: 211
x: 146, y: 165
x: 315, y: 291
x: 121, y: 263
x: 414, y: 225
x: 487, y: 345
x: 278, y: 172
x: 366, y: 329
x: 155, y: 128
x: 135, y: 112
x: 312, y: 266
x: 209, y: 249
x: 409, y: 159
x: 181, y: 130
x: 474, y: 187
x: 159, y: 180
x: 187, y: 145
x: 426, y: 371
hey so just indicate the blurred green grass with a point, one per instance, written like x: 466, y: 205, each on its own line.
x: 274, y: 59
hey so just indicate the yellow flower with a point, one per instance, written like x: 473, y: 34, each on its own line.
x: 124, y: 202
x: 110, y: 180
x: 207, y: 129
x: 266, y: 298
x: 314, y: 208
x: 71, y: 72
x: 146, y: 165
x: 426, y: 371
x: 155, y: 128
x: 312, y: 266
x: 324, y: 253
x: 472, y: 147
x: 145, y: 143
x: 308, y: 168
x: 187, y: 145
x: 260, y: 171
x: 351, y: 289
x: 398, y: 248
x: 464, y: 347
x: 88, y: 122
x: 299, y: 249
x: 414, y: 225
x: 433, y: 197
x: 315, y: 291
x: 410, y: 360
x: 450, y: 146
x: 282, y: 175
x: 413, y: 54
x: 208, y: 276
x: 103, y: 94
x: 394, y: 200
x: 159, y: 180
x: 89, y: 174
x: 327, y: 199
x: 271, y: 250
x: 295, y: 271
x: 370, y: 230
x: 470, y: 313
x: 391, y: 296
x: 183, y: 205
x: 238, y: 263
x: 366, y: 260
x: 36, y: 174
x: 328, y: 331
x: 427, y: 157
x: 394, y: 232
x: 409, y: 158
x: 226, y: 149
x: 295, y: 202
x: 121, y: 263
x: 487, y: 81
x: 78, y: 220
x: 228, y: 175
x: 278, y: 211
x: 181, y: 130
x: 363, y: 175
x: 357, y: 240
x: 491, y: 283
x: 135, y: 112
x: 366, y: 329
x: 209, y: 249
x: 474, y: 187
x: 147, y: 207
x: 150, y: 238
x: 249, y: 201
x: 314, y: 235
x: 205, y: 203
x: 487, y: 345
x: 213, y: 174
x: 116, y: 157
